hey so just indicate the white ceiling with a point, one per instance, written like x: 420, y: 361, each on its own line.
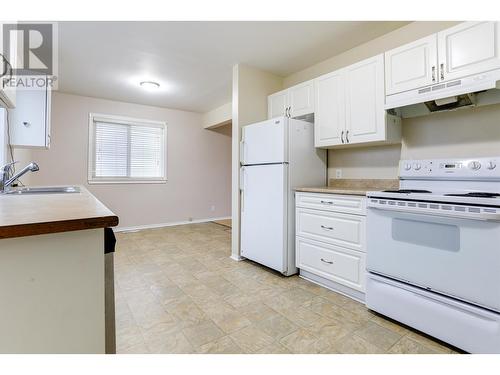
x: 193, y: 60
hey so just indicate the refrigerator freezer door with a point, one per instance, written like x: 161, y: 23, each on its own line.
x: 265, y: 142
x: 264, y: 215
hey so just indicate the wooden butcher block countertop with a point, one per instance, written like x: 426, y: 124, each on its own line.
x: 32, y: 214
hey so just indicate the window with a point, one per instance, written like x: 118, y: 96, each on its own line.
x: 125, y: 150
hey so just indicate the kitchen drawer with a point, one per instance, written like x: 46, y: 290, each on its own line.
x: 332, y: 227
x: 350, y: 204
x: 344, y: 266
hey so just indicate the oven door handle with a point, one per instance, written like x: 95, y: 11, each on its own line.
x: 443, y: 214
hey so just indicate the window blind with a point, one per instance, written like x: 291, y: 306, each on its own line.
x: 128, y: 151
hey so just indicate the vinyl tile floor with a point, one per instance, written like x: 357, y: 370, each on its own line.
x: 178, y: 291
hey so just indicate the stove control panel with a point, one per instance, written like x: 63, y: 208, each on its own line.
x: 451, y: 169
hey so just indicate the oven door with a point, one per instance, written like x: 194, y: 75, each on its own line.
x: 453, y: 256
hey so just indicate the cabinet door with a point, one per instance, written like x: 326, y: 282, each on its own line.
x: 344, y: 266
x: 468, y: 48
x: 329, y: 116
x: 365, y: 114
x: 277, y: 103
x: 411, y: 66
x: 30, y: 120
x: 301, y: 99
x: 331, y: 227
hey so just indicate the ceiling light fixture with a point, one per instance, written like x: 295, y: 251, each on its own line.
x: 150, y: 85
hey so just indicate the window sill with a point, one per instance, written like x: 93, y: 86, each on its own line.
x: 114, y: 182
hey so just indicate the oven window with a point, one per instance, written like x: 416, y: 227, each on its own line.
x: 433, y: 235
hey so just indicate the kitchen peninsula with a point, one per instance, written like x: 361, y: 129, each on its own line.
x: 52, y: 272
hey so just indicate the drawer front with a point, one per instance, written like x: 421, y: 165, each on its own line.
x: 350, y: 204
x: 332, y: 227
x: 344, y: 266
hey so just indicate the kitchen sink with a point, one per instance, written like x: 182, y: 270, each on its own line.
x: 43, y: 190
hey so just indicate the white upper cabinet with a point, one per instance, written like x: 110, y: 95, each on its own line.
x: 301, y: 99
x: 365, y: 114
x: 468, y: 48
x: 460, y: 51
x: 293, y: 102
x: 30, y: 120
x: 411, y: 66
x: 329, y: 117
x: 277, y: 104
x: 350, y: 107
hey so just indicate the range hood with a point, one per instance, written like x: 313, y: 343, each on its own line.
x: 472, y: 91
x: 452, y: 102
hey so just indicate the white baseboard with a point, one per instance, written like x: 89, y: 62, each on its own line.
x: 172, y: 224
x: 332, y: 285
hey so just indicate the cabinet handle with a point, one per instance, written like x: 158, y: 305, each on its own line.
x: 433, y: 74
x: 347, y: 136
x: 326, y: 261
x: 327, y: 228
x: 26, y: 123
x: 326, y: 202
x: 290, y: 111
x: 342, y: 136
x: 442, y: 71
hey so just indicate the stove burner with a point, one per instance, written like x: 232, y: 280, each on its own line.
x: 475, y: 194
x: 407, y: 191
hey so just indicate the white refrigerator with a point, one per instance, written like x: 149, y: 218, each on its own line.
x: 277, y: 156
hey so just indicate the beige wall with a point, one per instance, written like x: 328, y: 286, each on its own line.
x: 23, y: 156
x: 365, y: 162
x: 218, y: 116
x: 199, y: 163
x: 466, y: 132
x: 462, y: 133
x: 251, y: 87
x: 398, y: 37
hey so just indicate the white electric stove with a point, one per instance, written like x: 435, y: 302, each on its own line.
x: 433, y: 251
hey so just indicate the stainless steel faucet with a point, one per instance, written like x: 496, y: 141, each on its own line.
x: 6, y: 180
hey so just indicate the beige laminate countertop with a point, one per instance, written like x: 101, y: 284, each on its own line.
x: 352, y: 186
x: 32, y: 214
x: 332, y: 190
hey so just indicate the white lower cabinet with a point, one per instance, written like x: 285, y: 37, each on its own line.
x: 330, y: 241
x: 332, y: 262
x: 336, y: 228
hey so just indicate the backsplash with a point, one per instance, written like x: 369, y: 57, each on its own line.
x: 461, y: 133
x: 362, y: 183
x: 378, y: 162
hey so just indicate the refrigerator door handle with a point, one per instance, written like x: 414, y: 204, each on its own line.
x: 242, y: 188
x: 242, y: 152
x: 242, y: 179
